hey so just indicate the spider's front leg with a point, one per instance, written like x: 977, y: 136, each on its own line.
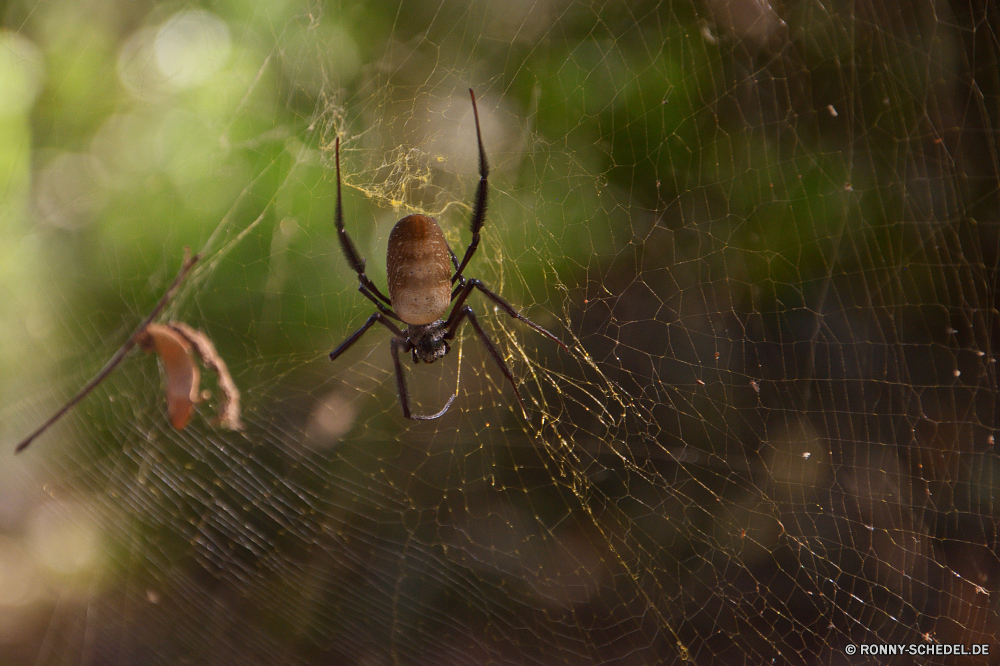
x: 479, y: 208
x: 404, y: 398
x: 351, y: 253
x: 398, y: 344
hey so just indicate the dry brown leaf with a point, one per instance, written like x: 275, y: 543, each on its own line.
x: 182, y: 375
x: 229, y: 406
x: 179, y: 412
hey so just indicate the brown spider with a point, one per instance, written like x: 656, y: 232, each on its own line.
x: 422, y: 287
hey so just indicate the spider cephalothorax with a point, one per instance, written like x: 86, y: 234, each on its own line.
x: 428, y: 341
x: 422, y: 287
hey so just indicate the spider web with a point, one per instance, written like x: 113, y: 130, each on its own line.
x: 767, y: 233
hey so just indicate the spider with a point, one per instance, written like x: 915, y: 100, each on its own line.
x: 422, y: 287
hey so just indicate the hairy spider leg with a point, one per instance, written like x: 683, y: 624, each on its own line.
x: 387, y: 311
x: 347, y: 245
x: 475, y: 283
x: 404, y: 345
x: 466, y: 311
x: 399, y: 340
x: 377, y: 317
x: 479, y: 209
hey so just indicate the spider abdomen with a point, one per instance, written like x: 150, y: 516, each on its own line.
x: 419, y: 270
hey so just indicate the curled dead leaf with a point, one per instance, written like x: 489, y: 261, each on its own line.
x: 175, y: 345
x: 183, y: 378
x: 229, y: 406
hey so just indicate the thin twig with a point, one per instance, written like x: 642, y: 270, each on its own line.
x: 189, y: 261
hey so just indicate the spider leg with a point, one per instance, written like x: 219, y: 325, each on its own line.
x: 461, y: 280
x: 456, y: 311
x: 458, y: 288
x: 466, y: 311
x: 347, y: 245
x: 404, y: 397
x: 377, y: 317
x: 404, y: 400
x: 479, y: 208
x: 381, y: 306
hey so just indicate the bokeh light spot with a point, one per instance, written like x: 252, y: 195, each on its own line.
x: 21, y: 73
x: 191, y: 47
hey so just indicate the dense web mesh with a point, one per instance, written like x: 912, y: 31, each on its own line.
x: 768, y: 235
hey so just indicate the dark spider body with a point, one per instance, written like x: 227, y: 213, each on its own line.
x: 422, y: 287
x: 428, y: 341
